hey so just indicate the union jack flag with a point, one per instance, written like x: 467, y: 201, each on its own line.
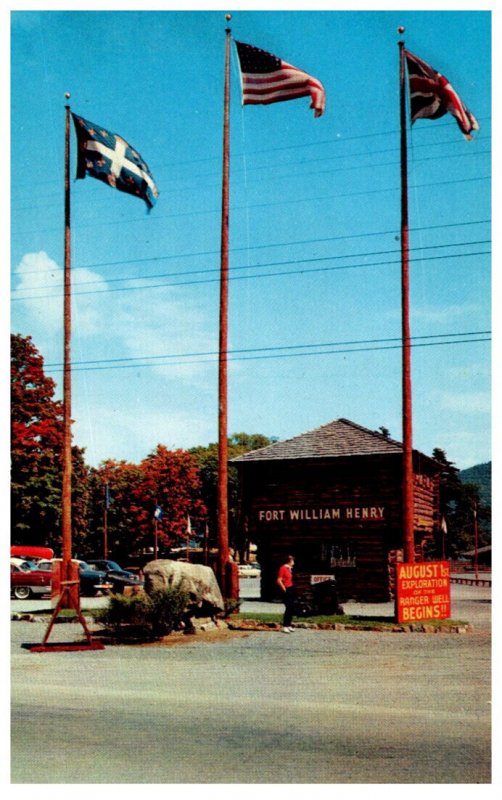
x: 432, y: 96
x: 109, y: 158
x: 267, y: 79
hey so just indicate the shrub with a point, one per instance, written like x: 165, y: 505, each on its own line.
x: 145, y: 616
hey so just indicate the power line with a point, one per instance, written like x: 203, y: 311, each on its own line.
x: 251, y: 172
x: 267, y: 356
x: 233, y: 277
x: 251, y: 247
x: 270, y: 204
x: 259, y: 266
x: 338, y: 141
x: 267, y: 349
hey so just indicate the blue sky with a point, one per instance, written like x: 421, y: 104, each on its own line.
x: 314, y: 321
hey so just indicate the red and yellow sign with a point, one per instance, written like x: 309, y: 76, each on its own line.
x: 423, y: 591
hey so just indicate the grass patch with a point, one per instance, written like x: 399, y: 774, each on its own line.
x: 382, y: 623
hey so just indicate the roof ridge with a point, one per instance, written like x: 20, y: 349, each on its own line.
x: 339, y: 437
x: 368, y: 430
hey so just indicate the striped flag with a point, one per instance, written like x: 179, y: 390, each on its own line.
x: 267, y: 79
x: 432, y: 96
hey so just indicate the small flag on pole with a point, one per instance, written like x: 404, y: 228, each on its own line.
x: 109, y: 158
x: 108, y: 497
x: 158, y: 513
x: 265, y: 79
x: 432, y: 96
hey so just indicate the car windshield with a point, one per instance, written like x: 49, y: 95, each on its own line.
x: 114, y: 565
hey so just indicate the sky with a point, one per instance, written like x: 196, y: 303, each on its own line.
x: 315, y: 293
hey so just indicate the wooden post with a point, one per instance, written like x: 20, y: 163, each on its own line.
x: 66, y: 520
x: 476, y: 565
x: 407, y: 491
x: 223, y: 337
x: 68, y: 575
x: 105, y: 525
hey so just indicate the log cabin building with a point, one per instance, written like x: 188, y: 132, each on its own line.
x: 332, y: 497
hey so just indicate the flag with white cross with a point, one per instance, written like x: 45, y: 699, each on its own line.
x: 109, y: 158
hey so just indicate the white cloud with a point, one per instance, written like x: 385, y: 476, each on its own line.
x: 123, y: 324
x: 444, y: 313
x: 39, y: 291
x: 466, y: 402
x: 128, y: 436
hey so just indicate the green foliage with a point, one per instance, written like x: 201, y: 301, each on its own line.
x: 481, y: 476
x: 460, y: 505
x: 364, y: 623
x: 207, y: 461
x: 145, y: 616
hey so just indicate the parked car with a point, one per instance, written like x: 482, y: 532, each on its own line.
x: 24, y: 565
x: 115, y: 574
x: 92, y: 581
x: 30, y: 552
x: 249, y: 571
x: 26, y: 582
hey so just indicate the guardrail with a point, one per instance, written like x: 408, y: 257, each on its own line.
x: 472, y: 581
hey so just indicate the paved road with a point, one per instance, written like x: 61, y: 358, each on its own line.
x: 312, y: 707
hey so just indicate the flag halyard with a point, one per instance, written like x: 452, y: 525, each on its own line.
x: 265, y: 79
x: 432, y: 96
x: 109, y: 158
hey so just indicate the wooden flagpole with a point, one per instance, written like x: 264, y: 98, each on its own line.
x: 66, y: 574
x: 67, y: 466
x: 223, y: 336
x: 407, y: 486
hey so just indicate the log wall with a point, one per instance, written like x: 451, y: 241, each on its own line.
x: 337, y: 516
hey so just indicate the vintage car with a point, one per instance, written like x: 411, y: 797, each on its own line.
x: 249, y: 570
x: 115, y: 574
x: 28, y: 581
x: 91, y: 581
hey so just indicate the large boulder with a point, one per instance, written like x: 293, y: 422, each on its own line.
x: 199, y: 581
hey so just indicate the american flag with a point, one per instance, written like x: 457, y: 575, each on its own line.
x: 109, y: 158
x: 267, y: 79
x: 432, y: 96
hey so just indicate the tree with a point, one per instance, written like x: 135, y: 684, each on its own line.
x: 458, y: 502
x: 169, y: 479
x: 116, y: 489
x: 172, y: 481
x: 36, y: 447
x: 207, y: 460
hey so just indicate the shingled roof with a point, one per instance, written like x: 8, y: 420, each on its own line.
x: 338, y: 438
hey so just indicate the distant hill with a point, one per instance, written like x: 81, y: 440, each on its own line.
x: 481, y: 476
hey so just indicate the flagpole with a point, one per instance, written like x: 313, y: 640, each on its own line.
x: 105, y: 525
x: 65, y: 573
x: 66, y: 521
x: 223, y: 336
x: 407, y: 487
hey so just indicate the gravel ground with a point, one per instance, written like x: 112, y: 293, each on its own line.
x: 311, y: 707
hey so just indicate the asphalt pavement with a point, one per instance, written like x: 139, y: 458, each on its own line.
x: 316, y: 707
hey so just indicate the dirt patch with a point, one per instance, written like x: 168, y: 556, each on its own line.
x: 178, y: 638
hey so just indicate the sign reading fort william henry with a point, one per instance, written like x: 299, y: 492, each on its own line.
x: 423, y: 591
x: 316, y: 514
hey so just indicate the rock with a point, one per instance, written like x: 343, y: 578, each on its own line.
x: 198, y: 580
